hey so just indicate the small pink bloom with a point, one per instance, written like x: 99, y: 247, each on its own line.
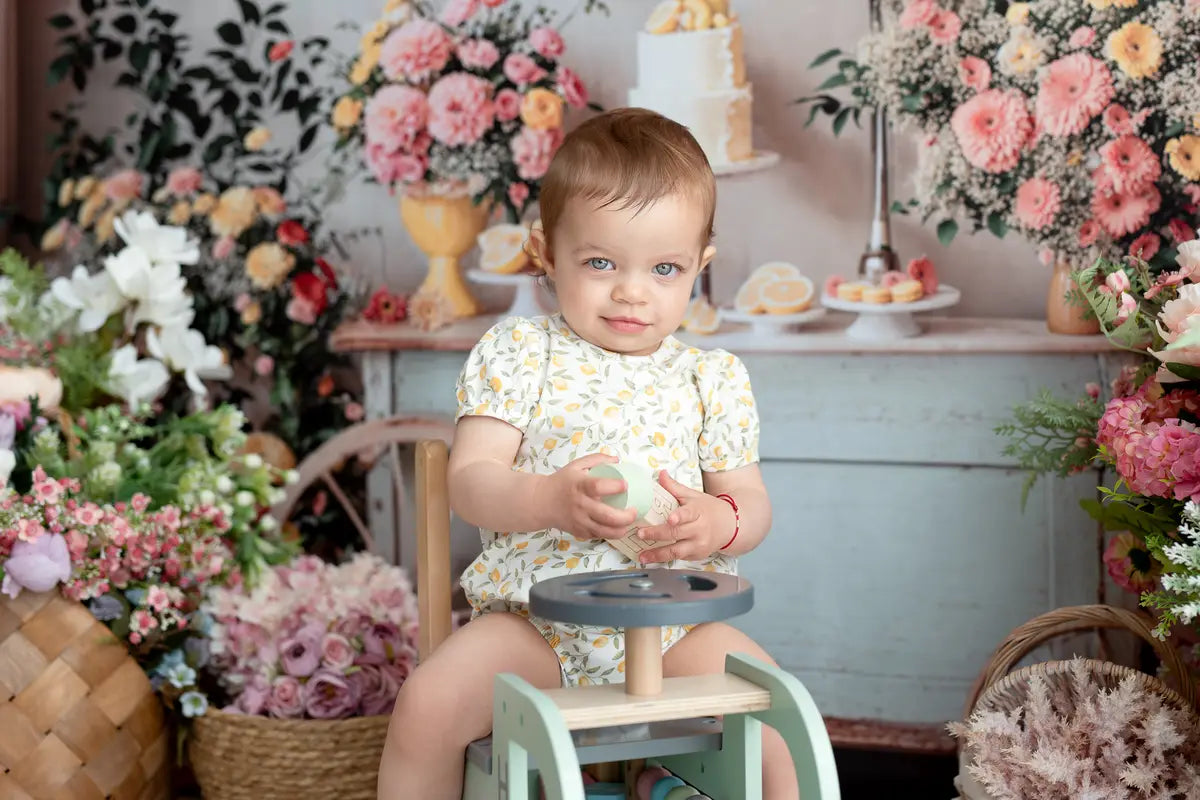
x: 522, y: 70
x: 389, y: 167
x: 1180, y: 231
x: 1145, y: 246
x: 241, y: 302
x: 460, y: 109
x: 1117, y: 120
x: 547, y: 42
x: 1129, y: 165
x: 184, y: 181
x: 301, y: 311
x: 573, y: 89
x: 493, y: 3
x: 416, y: 50
x: 478, y: 54
x: 831, y: 285
x: 1082, y: 36
x: 1089, y: 232
x: 992, y: 128
x: 336, y: 652
x: 533, y: 151
x: 1038, y: 201
x: 518, y: 193
x: 1073, y: 90
x: 281, y: 50
x: 223, y: 247
x: 286, y: 700
x: 157, y: 599
x: 1093, y: 390
x: 123, y: 185
x: 918, y: 13
x: 1127, y: 306
x: 264, y: 366
x: 508, y: 105
x: 1046, y: 256
x: 945, y: 27
x: 1117, y: 281
x: 354, y: 412
x: 975, y: 73
x: 1192, y: 190
x: 255, y: 696
x: 457, y: 12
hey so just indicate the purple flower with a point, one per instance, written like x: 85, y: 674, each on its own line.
x: 255, y: 696
x: 38, y: 566
x: 383, y: 639
x: 378, y: 685
x: 301, y: 654
x: 328, y: 695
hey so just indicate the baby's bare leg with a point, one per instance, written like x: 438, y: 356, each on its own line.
x: 702, y: 652
x: 447, y: 703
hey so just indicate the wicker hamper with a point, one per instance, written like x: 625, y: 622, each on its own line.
x: 241, y: 757
x: 78, y: 717
x: 998, y: 689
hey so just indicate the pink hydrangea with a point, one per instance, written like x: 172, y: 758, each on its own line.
x: 522, y: 70
x: 573, y: 89
x: 547, y: 42
x: 457, y: 12
x: 460, y: 109
x: 992, y: 128
x: 1073, y: 90
x: 508, y: 105
x: 1038, y: 201
x: 533, y: 150
x: 1155, y: 451
x: 415, y: 50
x: 975, y: 73
x: 478, y: 54
x: 395, y: 116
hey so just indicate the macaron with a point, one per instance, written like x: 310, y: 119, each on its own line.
x: 877, y: 295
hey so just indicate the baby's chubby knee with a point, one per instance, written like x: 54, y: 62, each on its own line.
x: 432, y: 702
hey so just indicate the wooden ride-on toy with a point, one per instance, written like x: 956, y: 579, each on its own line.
x: 550, y: 734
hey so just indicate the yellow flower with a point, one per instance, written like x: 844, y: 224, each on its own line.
x: 55, y: 235
x: 65, y: 192
x: 1074, y: 158
x: 1017, y: 14
x: 1184, y: 154
x: 360, y: 73
x: 204, y: 204
x: 346, y: 112
x: 1196, y: 122
x: 1136, y: 48
x: 268, y: 264
x: 542, y: 109
x: 576, y: 437
x: 549, y: 444
x: 394, y: 5
x: 85, y: 187
x: 496, y: 384
x: 1099, y: 5
x: 365, y: 63
x: 257, y: 139
x: 252, y: 313
x: 235, y: 212
x: 659, y: 439
x: 374, y: 35
x: 105, y: 225
x: 90, y: 209
x: 181, y: 212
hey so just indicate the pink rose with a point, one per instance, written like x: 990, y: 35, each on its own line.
x: 390, y: 167
x: 416, y: 50
x: 1082, y: 37
x: 478, y: 54
x: 918, y: 13
x: 123, y: 185
x: 945, y: 27
x: 457, y: 12
x: 974, y: 73
x: 184, y: 181
x: 223, y: 247
x: 336, y: 652
x: 546, y: 42
x: 518, y: 193
x: 328, y: 695
x: 508, y: 105
x: 300, y: 655
x: 354, y: 412
x: 533, y: 150
x: 264, y: 366
x: 378, y: 685
x: 37, y: 565
x: 287, y: 698
x: 301, y: 311
x: 521, y: 69
x: 460, y: 109
x: 255, y: 696
x: 572, y: 87
x: 395, y: 116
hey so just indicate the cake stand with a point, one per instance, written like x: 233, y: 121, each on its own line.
x: 762, y: 159
x: 771, y: 323
x: 880, y: 322
x: 525, y: 302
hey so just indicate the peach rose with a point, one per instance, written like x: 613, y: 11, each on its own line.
x: 542, y: 109
x: 346, y: 112
x: 268, y: 264
x: 235, y: 212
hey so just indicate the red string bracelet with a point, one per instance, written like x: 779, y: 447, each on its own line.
x: 737, y: 519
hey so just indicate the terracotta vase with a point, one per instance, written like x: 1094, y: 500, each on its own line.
x: 445, y: 228
x: 1062, y: 315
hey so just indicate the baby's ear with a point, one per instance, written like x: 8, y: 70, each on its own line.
x: 707, y: 256
x: 538, y: 249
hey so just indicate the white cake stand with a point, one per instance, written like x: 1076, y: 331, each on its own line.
x: 525, y: 302
x: 762, y: 159
x: 772, y: 323
x: 879, y: 322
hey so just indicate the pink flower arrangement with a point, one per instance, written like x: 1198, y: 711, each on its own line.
x: 316, y: 640
x: 443, y: 100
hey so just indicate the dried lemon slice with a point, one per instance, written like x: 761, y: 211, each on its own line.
x: 701, y: 317
x: 665, y: 17
x: 699, y: 14
x: 787, y: 295
x: 502, y: 249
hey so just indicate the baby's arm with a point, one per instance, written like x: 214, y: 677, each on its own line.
x: 484, y: 488
x: 745, y: 485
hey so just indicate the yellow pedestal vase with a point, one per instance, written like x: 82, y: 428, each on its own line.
x: 445, y: 229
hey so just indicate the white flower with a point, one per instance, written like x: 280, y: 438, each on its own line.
x: 1188, y: 258
x: 163, y: 244
x: 158, y: 290
x: 137, y: 381
x: 95, y: 297
x: 8, y: 460
x: 184, y: 350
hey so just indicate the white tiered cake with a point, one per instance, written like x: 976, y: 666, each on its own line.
x: 691, y: 68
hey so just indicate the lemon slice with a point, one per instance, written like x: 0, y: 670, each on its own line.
x: 665, y: 17
x: 699, y: 14
x: 776, y: 269
x: 748, y: 299
x: 701, y: 317
x: 719, y: 7
x: 787, y: 295
x: 502, y: 249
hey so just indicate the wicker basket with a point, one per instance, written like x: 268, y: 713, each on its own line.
x: 242, y: 757
x: 997, y: 689
x: 78, y: 717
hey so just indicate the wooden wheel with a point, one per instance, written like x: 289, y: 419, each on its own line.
x: 378, y: 442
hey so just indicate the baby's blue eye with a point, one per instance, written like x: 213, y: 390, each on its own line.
x: 599, y: 263
x: 665, y: 270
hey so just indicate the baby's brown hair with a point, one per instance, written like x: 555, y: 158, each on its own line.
x: 629, y: 155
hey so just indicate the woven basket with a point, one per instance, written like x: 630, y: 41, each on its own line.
x: 997, y: 689
x: 241, y: 757
x: 78, y: 717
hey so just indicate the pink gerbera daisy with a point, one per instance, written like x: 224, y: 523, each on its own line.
x: 1038, y: 200
x: 1073, y: 90
x: 945, y: 27
x: 1129, y: 164
x: 991, y: 128
x: 1121, y: 214
x: 975, y: 73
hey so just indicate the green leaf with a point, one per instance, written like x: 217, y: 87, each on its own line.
x: 833, y: 81
x: 58, y: 70
x: 997, y: 225
x: 839, y: 121
x: 250, y: 12
x: 826, y: 56
x: 1174, y: 129
x: 279, y: 27
x: 139, y: 56
x: 61, y: 21
x: 947, y: 229
x: 1187, y: 371
x: 912, y: 102
x: 231, y: 33
x: 126, y: 24
x: 306, y: 138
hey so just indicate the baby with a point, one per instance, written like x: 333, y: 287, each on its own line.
x: 626, y: 223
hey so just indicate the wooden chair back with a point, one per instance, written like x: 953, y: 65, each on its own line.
x: 433, y: 579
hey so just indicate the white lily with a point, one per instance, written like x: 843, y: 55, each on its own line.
x: 163, y: 244
x: 136, y: 380
x: 95, y: 297
x: 185, y: 350
x: 158, y: 290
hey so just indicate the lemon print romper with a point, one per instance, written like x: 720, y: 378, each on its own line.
x: 680, y: 409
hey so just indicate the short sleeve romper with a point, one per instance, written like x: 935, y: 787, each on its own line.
x: 680, y: 408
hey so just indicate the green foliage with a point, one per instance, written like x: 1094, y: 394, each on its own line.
x: 1052, y: 436
x: 848, y: 73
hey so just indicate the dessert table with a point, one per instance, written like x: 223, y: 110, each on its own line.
x: 899, y: 556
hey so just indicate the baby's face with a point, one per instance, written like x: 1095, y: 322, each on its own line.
x: 623, y: 276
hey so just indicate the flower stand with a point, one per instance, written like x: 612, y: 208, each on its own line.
x: 78, y: 717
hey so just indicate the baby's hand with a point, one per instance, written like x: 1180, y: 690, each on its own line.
x: 575, y: 500
x: 700, y: 525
